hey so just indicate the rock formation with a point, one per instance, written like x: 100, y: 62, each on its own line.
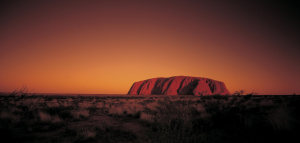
x: 179, y: 85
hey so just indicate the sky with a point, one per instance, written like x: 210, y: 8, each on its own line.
x: 103, y: 47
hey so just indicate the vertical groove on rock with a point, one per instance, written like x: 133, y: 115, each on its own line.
x: 162, y: 85
x: 174, y: 85
x: 168, y: 82
x: 188, y: 86
x: 211, y: 85
x: 141, y: 86
x: 157, y: 89
x: 178, y: 90
x: 135, y: 87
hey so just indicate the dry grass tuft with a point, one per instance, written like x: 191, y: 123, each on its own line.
x: 88, y: 133
x: 266, y: 103
x: 281, y: 119
x: 146, y: 117
x: 44, y: 117
x: 56, y: 119
x: 81, y: 114
x: 8, y: 115
x: 199, y: 107
x: 53, y: 103
x: 85, y: 104
x: 116, y: 110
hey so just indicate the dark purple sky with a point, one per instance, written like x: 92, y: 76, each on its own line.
x: 105, y: 46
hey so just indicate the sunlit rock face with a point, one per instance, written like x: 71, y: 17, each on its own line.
x: 179, y: 85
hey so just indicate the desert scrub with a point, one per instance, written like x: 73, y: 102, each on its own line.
x: 100, y: 132
x: 81, y: 114
x: 94, y: 109
x: 61, y: 111
x: 84, y: 134
x: 128, y: 110
x: 281, y: 119
x: 149, y: 100
x: 176, y: 122
x: 10, y: 126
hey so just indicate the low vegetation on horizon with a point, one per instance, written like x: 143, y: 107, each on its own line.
x: 152, y: 119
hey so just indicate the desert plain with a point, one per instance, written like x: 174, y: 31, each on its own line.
x: 33, y: 118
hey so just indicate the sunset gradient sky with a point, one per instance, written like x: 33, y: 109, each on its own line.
x: 103, y: 47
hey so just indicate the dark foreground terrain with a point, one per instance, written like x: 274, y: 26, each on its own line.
x: 207, y: 119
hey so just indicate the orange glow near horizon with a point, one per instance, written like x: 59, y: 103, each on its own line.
x: 104, y: 47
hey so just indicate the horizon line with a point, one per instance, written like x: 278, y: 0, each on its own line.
x: 131, y: 94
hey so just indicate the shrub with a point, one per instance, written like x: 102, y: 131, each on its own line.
x: 241, y: 92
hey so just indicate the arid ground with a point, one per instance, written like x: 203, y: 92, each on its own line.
x: 126, y: 118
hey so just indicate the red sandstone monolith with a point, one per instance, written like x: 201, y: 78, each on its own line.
x: 179, y: 85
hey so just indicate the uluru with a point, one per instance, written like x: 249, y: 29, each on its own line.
x: 179, y: 85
